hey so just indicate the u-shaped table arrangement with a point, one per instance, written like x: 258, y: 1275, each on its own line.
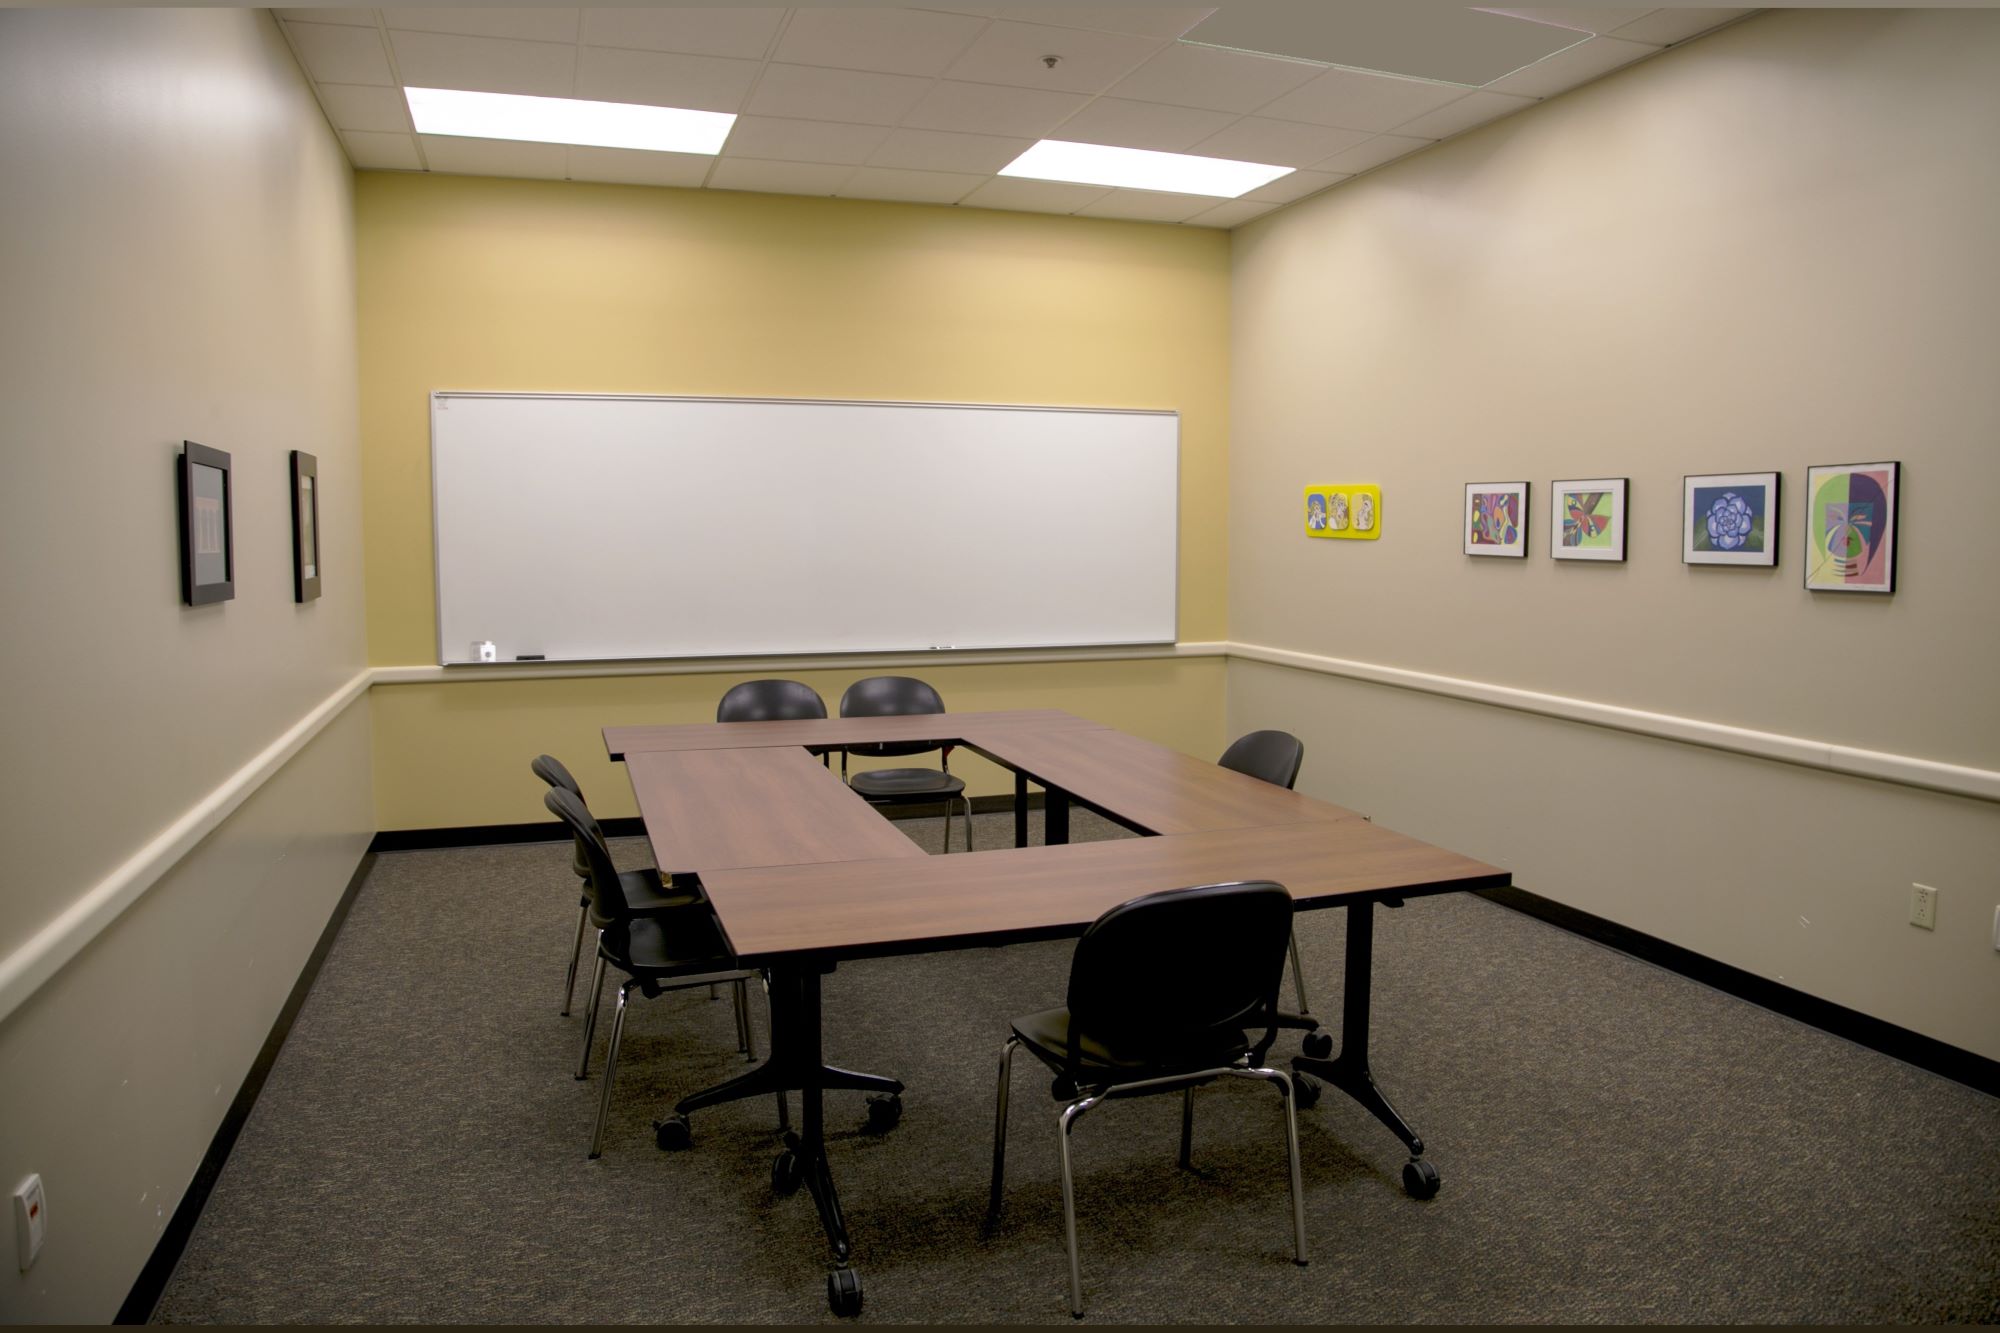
x: 803, y: 874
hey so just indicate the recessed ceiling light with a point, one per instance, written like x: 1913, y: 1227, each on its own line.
x: 1140, y: 169
x: 659, y: 129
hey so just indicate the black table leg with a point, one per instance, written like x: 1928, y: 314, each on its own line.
x: 1349, y: 1070
x: 1055, y: 816
x: 1020, y: 809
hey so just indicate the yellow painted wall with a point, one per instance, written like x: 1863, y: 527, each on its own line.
x: 481, y: 284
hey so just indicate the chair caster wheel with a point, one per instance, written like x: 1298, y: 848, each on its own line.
x: 884, y: 1112
x: 1305, y: 1091
x: 843, y: 1292
x: 674, y: 1134
x: 1317, y: 1045
x: 1420, y: 1179
x: 787, y: 1174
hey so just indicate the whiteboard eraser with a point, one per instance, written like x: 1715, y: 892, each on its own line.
x: 489, y: 652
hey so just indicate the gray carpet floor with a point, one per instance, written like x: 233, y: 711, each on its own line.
x: 1618, y: 1144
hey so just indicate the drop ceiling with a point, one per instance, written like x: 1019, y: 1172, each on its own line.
x: 926, y: 104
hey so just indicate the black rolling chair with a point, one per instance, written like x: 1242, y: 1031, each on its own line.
x: 1274, y: 757
x: 1160, y: 992
x: 642, y: 889
x: 660, y: 950
x: 899, y: 696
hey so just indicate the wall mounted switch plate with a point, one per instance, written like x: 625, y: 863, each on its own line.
x: 30, y: 1219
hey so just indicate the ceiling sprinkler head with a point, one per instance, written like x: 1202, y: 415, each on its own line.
x: 1051, y: 61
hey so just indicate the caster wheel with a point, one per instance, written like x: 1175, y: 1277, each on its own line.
x: 843, y: 1292
x: 1305, y: 1091
x: 1317, y: 1045
x: 786, y: 1174
x: 673, y: 1135
x: 1420, y: 1179
x: 884, y: 1112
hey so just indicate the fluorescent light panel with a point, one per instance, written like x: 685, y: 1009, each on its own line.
x: 1140, y: 169
x: 659, y: 129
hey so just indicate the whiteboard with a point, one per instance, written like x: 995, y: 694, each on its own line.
x: 593, y: 527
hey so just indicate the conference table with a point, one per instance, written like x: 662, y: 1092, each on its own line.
x: 803, y: 874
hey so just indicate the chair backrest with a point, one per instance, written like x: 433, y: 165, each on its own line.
x: 551, y: 771
x: 891, y: 696
x: 1170, y: 971
x: 769, y: 701
x: 607, y: 896
x: 1274, y: 756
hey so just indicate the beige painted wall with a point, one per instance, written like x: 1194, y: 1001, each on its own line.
x: 178, y: 264
x: 1770, y: 248
x: 520, y: 285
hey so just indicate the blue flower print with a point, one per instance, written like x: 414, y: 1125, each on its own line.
x: 1729, y: 522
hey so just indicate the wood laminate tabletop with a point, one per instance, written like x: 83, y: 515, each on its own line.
x: 863, y: 908
x: 834, y: 732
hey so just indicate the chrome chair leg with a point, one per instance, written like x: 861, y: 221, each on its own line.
x: 1286, y: 1090
x: 590, y: 1018
x: 746, y: 1032
x: 1299, y: 976
x: 1187, y: 1128
x: 1071, y: 1114
x: 966, y: 798
x: 610, y: 1071
x: 575, y: 958
x: 1000, y: 1126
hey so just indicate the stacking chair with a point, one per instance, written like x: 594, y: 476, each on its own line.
x: 664, y: 949
x: 1274, y: 757
x: 772, y: 701
x: 899, y: 696
x: 642, y: 889
x: 1160, y: 992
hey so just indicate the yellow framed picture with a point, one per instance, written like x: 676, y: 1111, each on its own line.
x: 1348, y: 513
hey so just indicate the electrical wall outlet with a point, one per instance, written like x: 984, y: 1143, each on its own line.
x: 31, y: 1219
x: 1923, y: 906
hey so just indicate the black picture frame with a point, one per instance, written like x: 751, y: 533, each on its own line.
x: 306, y: 529
x: 208, y: 524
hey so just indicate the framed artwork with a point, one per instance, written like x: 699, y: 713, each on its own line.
x: 1851, y: 527
x: 1730, y: 518
x: 208, y: 521
x: 1587, y: 519
x: 1351, y: 513
x: 1496, y: 518
x: 305, y: 527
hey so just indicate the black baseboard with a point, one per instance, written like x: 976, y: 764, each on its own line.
x: 1952, y: 1062
x: 159, y: 1270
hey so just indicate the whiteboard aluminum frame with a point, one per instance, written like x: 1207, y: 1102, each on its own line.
x: 437, y: 560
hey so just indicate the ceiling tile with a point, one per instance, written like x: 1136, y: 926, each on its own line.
x: 1146, y: 21
x: 781, y: 140
x: 1154, y: 125
x: 1014, y: 193
x: 630, y: 166
x: 357, y: 17
x: 886, y: 41
x: 1233, y: 213
x: 934, y: 150
x: 1146, y: 206
x: 370, y: 151
x: 988, y: 108
x: 1357, y: 101
x: 1663, y: 27
x: 742, y: 173
x: 1583, y: 20
x: 659, y: 78
x: 743, y: 33
x: 485, y: 64
x: 530, y: 25
x: 1295, y: 186
x: 353, y: 106
x: 806, y: 93
x: 1457, y: 117
x: 334, y: 54
x: 1567, y: 69
x: 1203, y: 76
x: 1382, y: 148
x: 1279, y: 143
x: 1088, y: 62
x: 1444, y: 44
x: 915, y: 187
x: 493, y: 157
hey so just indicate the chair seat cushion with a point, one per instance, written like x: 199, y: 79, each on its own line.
x: 893, y: 784
x: 1047, y: 1035
x: 682, y: 941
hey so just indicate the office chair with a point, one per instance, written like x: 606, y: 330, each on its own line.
x: 772, y: 701
x: 899, y: 696
x: 642, y: 888
x: 1160, y: 992
x: 1274, y: 757
x: 661, y: 950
